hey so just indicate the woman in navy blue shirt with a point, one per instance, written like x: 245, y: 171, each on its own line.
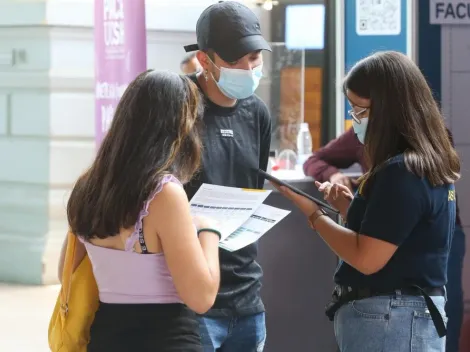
x: 394, y: 249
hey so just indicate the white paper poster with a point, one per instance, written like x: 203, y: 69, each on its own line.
x: 378, y: 17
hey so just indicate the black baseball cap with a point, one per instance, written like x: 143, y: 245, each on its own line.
x: 229, y: 28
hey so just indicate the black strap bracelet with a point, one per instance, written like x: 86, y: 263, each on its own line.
x: 210, y: 230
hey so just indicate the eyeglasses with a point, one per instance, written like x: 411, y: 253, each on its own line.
x: 355, y: 115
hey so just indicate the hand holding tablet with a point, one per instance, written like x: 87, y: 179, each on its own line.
x: 280, y: 183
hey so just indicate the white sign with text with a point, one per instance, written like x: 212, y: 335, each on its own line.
x: 449, y: 12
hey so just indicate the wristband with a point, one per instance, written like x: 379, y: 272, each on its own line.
x: 210, y: 230
x: 312, y: 219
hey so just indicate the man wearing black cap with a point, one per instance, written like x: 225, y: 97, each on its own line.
x: 237, y: 137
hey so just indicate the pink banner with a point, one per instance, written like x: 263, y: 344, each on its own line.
x: 120, y: 55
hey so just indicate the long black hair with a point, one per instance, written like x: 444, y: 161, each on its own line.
x: 154, y: 132
x: 403, y: 118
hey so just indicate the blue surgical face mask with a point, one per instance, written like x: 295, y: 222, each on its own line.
x: 239, y: 84
x: 360, y: 129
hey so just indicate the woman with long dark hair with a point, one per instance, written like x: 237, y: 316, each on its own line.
x: 154, y: 264
x: 390, y: 283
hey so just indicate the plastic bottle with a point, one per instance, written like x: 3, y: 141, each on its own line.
x: 304, y: 143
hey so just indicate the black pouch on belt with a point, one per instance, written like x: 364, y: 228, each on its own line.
x: 336, y: 302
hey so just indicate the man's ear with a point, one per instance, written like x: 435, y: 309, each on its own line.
x: 203, y: 60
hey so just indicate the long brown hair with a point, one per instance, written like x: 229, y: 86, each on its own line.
x: 154, y: 132
x: 403, y: 118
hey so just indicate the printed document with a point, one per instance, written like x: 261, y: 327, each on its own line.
x: 229, y: 206
x: 240, y: 212
x: 263, y: 219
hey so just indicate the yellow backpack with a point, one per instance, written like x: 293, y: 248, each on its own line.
x: 76, y: 305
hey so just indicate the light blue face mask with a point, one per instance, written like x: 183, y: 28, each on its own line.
x: 239, y: 84
x: 360, y: 129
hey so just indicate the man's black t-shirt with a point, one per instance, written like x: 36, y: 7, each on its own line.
x: 407, y: 211
x: 236, y: 142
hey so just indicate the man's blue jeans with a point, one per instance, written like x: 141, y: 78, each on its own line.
x: 233, y: 334
x: 454, y: 306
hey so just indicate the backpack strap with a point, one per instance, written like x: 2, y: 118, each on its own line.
x: 68, y: 271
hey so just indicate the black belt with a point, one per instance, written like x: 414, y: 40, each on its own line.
x: 345, y: 294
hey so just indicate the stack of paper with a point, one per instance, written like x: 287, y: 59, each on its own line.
x: 242, y: 216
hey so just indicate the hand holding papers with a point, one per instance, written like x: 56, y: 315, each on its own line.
x: 263, y: 219
x: 229, y: 206
x: 240, y: 212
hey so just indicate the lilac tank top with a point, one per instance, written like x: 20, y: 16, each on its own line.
x: 130, y: 277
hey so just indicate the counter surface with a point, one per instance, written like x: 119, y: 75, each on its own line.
x: 298, y: 280
x: 298, y: 275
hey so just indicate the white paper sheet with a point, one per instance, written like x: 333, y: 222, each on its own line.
x: 378, y: 17
x: 229, y: 206
x: 263, y: 219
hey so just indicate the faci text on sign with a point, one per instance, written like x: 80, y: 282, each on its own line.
x: 450, y: 12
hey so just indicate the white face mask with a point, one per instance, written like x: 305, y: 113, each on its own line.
x: 238, y: 84
x: 360, y: 129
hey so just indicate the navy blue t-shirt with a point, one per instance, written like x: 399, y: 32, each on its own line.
x: 405, y: 210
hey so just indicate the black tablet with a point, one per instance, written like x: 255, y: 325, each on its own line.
x: 296, y: 190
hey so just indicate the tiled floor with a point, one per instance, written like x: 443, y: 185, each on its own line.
x: 24, y: 317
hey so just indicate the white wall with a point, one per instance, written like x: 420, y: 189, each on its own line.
x: 24, y: 152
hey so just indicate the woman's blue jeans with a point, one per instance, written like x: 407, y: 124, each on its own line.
x: 395, y: 323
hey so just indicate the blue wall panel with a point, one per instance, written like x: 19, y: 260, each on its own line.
x: 429, y: 49
x: 356, y: 47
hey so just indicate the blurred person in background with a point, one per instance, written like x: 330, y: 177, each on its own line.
x: 326, y: 163
x: 237, y: 137
x: 190, y: 64
x: 153, y: 263
x: 341, y: 153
